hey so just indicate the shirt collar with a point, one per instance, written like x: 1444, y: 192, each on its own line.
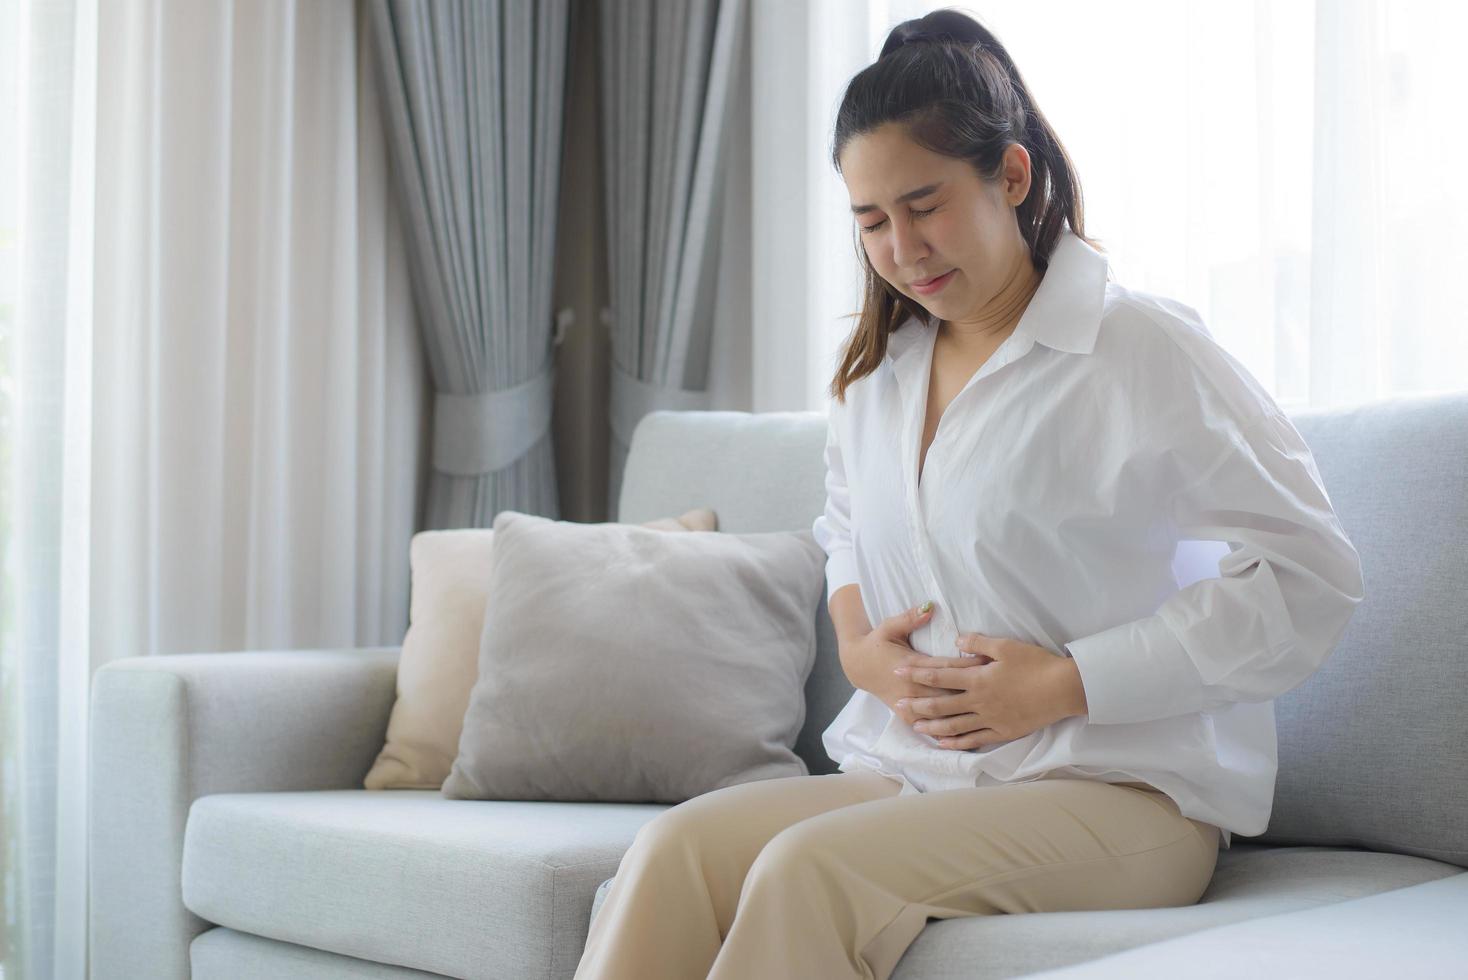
x: 1064, y: 314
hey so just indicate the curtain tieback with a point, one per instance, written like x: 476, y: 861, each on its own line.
x: 632, y: 398
x: 480, y: 433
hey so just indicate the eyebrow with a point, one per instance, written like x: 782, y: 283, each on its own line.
x: 910, y: 195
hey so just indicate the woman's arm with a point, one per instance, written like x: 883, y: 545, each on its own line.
x: 832, y: 531
x: 1279, y: 605
x: 848, y: 615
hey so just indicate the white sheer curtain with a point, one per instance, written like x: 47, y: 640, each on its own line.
x: 213, y: 388
x: 1287, y: 167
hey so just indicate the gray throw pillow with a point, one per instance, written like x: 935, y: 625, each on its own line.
x: 440, y: 656
x: 622, y: 664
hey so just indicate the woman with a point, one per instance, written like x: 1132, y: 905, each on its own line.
x: 1044, y: 720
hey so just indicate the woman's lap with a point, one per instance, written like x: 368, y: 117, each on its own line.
x: 1043, y: 845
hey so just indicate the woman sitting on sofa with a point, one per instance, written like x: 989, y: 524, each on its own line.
x: 1046, y: 718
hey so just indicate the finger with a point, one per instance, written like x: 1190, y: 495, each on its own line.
x: 958, y: 678
x: 950, y: 726
x: 976, y: 643
x: 935, y: 706
x: 918, y: 660
x: 904, y: 623
x: 926, y: 691
x: 974, y: 740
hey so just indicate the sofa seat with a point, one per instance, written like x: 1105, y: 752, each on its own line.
x: 1424, y: 940
x: 1251, y: 881
x: 474, y: 889
x: 463, y: 888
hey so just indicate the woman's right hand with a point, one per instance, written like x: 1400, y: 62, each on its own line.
x: 868, y: 661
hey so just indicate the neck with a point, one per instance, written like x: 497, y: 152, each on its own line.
x: 1001, y: 315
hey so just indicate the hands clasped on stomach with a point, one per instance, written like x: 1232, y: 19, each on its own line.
x: 997, y: 691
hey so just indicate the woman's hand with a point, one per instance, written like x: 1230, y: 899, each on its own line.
x: 1014, y: 689
x: 868, y: 661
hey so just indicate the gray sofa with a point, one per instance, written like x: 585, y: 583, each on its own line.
x: 230, y: 835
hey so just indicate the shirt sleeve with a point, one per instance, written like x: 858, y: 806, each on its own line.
x: 1279, y: 605
x: 832, y: 528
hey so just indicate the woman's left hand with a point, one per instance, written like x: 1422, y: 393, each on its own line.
x: 1010, y: 690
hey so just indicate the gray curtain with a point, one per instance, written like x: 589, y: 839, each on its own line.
x: 667, y: 74
x: 472, y: 94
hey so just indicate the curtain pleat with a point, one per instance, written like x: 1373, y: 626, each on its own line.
x: 474, y: 93
x: 668, y: 72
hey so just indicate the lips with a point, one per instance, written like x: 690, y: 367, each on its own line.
x: 931, y: 287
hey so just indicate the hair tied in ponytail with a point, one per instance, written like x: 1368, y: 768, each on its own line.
x: 941, y: 27
x: 899, y: 39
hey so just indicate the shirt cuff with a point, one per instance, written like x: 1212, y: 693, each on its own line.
x: 840, y: 571
x: 1136, y: 672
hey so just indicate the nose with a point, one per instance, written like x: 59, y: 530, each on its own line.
x: 908, y: 247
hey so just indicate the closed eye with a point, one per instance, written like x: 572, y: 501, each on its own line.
x: 867, y: 228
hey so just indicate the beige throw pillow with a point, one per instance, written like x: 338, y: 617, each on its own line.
x: 449, y: 586
x: 620, y: 664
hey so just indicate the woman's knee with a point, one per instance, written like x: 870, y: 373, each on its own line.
x: 796, y: 850
x: 679, y: 828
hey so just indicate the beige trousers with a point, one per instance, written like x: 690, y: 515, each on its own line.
x: 832, y: 876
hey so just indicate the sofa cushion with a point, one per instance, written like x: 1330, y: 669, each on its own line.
x: 1415, y: 931
x: 440, y: 654
x: 1373, y: 747
x: 1251, y: 881
x: 465, y: 888
x: 622, y: 664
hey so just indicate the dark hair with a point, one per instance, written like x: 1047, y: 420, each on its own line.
x: 952, y: 86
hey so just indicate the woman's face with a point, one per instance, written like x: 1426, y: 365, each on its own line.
x: 959, y: 223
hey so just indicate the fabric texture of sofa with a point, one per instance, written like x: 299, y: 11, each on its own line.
x: 231, y: 836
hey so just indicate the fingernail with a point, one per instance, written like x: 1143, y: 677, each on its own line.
x: 925, y: 607
x: 903, y: 701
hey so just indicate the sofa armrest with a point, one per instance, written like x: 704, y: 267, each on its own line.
x: 1416, y: 931
x: 166, y: 730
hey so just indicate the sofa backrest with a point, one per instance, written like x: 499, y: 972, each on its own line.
x: 1373, y: 748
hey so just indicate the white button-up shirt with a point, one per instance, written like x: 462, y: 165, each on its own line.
x: 1108, y: 444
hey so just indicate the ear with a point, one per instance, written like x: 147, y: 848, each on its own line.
x: 1017, y: 174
